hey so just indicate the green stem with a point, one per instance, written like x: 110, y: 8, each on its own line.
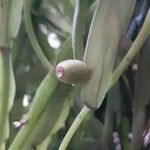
x: 32, y: 36
x: 7, y: 84
x: 78, y: 28
x: 141, y: 98
x: 60, y: 121
x: 74, y: 127
x: 4, y: 80
x: 43, y: 99
x: 136, y: 46
x: 3, y: 23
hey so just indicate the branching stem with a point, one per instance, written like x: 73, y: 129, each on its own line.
x: 136, y: 46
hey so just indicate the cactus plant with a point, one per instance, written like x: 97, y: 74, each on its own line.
x: 74, y: 74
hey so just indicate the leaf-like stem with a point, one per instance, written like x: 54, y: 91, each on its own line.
x: 143, y: 34
x: 78, y: 28
x: 81, y: 116
x: 7, y: 83
x: 39, y: 111
x: 32, y: 36
x: 136, y: 46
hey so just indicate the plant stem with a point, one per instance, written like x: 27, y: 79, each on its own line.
x: 43, y: 99
x: 81, y: 116
x: 78, y: 28
x: 32, y: 37
x: 136, y: 46
x: 4, y: 100
x: 4, y: 23
x: 7, y: 83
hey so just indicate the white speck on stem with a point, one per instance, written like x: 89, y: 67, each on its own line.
x: 23, y: 119
x: 130, y: 136
x: 147, y: 139
x: 16, y: 124
x: 118, y: 147
x: 116, y: 140
x: 115, y: 134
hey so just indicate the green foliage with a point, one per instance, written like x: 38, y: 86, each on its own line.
x: 37, y: 111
